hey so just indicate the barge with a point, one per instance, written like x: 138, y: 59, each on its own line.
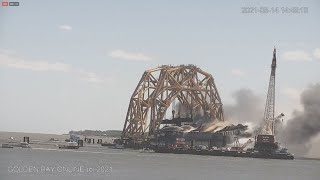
x: 230, y: 153
x: 265, y: 147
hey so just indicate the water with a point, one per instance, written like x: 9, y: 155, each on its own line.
x: 129, y: 164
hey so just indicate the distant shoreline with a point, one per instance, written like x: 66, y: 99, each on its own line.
x: 43, y: 137
x: 33, y: 132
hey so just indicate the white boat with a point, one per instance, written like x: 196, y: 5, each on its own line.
x: 70, y: 145
x: 146, y: 150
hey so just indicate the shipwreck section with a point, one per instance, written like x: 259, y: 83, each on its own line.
x: 186, y: 137
x: 195, y: 124
x: 185, y: 94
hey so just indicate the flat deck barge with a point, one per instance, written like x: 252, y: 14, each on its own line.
x: 230, y: 153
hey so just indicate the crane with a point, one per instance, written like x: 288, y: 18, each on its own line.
x: 246, y: 143
x: 265, y: 141
x: 268, y: 128
x: 239, y: 147
x: 278, y: 118
x: 277, y: 123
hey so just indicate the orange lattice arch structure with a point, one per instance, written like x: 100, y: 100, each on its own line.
x: 159, y: 88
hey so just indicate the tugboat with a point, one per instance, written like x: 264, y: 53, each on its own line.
x: 266, y: 147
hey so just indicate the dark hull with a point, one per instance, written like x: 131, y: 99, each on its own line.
x: 7, y: 146
x: 225, y: 153
x: 68, y: 147
x: 107, y: 144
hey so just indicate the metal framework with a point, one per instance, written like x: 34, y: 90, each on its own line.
x: 160, y: 88
x: 270, y: 102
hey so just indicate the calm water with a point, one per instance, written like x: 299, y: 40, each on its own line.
x: 88, y: 163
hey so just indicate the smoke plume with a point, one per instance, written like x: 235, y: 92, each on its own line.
x: 305, y: 124
x: 199, y: 117
x: 248, y: 107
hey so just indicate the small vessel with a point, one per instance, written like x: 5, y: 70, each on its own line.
x: 70, y: 145
x: 7, y: 145
x: 24, y: 145
x: 146, y: 150
x: 118, y: 146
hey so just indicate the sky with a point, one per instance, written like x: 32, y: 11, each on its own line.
x: 73, y: 65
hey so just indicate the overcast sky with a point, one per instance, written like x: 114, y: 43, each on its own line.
x: 72, y: 65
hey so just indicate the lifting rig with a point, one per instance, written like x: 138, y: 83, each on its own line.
x: 240, y: 147
x: 268, y: 128
x: 265, y: 141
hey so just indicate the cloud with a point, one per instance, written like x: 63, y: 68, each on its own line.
x: 238, y: 72
x: 130, y: 56
x: 91, y: 77
x: 65, y: 27
x: 298, y: 55
x: 316, y: 53
x: 10, y: 60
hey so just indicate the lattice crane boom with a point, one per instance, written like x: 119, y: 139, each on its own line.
x: 269, y: 111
